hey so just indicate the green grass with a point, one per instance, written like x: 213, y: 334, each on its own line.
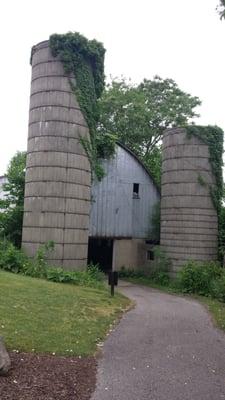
x: 215, y: 307
x: 41, y: 316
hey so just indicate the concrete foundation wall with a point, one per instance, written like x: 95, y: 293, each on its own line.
x: 189, y: 225
x: 129, y: 253
x: 58, y: 178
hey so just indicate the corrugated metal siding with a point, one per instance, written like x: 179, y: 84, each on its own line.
x: 114, y: 212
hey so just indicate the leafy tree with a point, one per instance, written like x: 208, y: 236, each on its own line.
x: 221, y: 9
x: 139, y: 114
x: 11, y: 207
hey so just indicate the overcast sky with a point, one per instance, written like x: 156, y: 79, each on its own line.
x: 178, y: 39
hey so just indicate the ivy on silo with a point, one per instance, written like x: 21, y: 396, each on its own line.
x: 84, y: 60
x: 213, y: 137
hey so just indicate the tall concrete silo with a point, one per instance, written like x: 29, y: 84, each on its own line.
x: 189, y: 225
x: 58, y: 178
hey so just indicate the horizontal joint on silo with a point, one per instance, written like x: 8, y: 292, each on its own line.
x: 189, y: 251
x: 55, y: 128
x: 186, y: 164
x: 178, y: 180
x: 77, y: 206
x: 188, y: 157
x: 191, y: 235
x: 179, y: 212
x: 48, y: 68
x: 51, y: 83
x: 200, y: 202
x: 61, y: 76
x: 50, y: 197
x: 58, y: 181
x: 54, y: 188
x: 42, y: 235
x: 69, y: 214
x: 179, y: 137
x: 51, y: 91
x: 36, y: 204
x: 55, y: 226
x: 193, y: 256
x: 32, y: 248
x: 192, y: 230
x: 55, y: 143
x: 57, y: 159
x: 174, y: 131
x: 190, y: 176
x: 196, y: 243
x: 53, y: 98
x: 41, y: 242
x: 72, y: 251
x: 55, y: 135
x: 66, y: 107
x: 57, y: 113
x: 172, y: 224
x: 185, y: 189
x: 185, y: 150
x: 75, y: 236
x: 77, y: 176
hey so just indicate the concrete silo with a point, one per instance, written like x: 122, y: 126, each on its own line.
x: 58, y: 177
x: 189, y: 223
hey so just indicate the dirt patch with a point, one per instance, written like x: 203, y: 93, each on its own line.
x: 48, y: 377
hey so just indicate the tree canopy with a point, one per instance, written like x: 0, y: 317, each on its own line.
x: 11, y: 207
x: 221, y: 9
x: 139, y: 114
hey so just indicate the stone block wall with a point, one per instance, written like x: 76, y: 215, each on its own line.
x: 189, y: 225
x: 58, y: 176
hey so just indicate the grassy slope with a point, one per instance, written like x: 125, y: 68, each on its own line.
x: 40, y: 316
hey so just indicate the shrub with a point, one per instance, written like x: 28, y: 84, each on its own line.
x: 218, y: 288
x: 37, y: 268
x: 130, y: 273
x: 11, y: 258
x: 94, y: 271
x: 197, y: 277
x: 91, y: 277
x: 160, y: 277
x: 14, y: 260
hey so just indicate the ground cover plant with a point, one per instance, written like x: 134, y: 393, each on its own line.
x: 16, y: 261
x: 203, y: 281
x: 40, y: 316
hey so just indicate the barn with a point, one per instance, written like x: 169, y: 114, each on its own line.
x: 122, y: 204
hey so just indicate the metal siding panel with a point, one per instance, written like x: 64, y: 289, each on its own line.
x: 115, y: 213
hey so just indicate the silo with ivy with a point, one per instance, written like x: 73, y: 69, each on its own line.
x: 58, y: 173
x: 189, y: 220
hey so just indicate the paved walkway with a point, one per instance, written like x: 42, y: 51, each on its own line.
x: 166, y: 348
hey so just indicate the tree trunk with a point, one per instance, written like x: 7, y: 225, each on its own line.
x: 5, y: 363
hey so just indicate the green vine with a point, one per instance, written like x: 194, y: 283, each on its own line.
x: 84, y: 60
x: 213, y: 137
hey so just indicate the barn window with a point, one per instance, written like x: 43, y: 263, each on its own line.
x: 135, y: 190
x: 150, y: 255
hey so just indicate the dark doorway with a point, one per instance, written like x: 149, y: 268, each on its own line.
x: 100, y: 251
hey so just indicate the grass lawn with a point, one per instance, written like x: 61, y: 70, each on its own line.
x: 41, y: 316
x: 215, y: 307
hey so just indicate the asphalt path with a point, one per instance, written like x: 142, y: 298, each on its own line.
x: 166, y: 348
